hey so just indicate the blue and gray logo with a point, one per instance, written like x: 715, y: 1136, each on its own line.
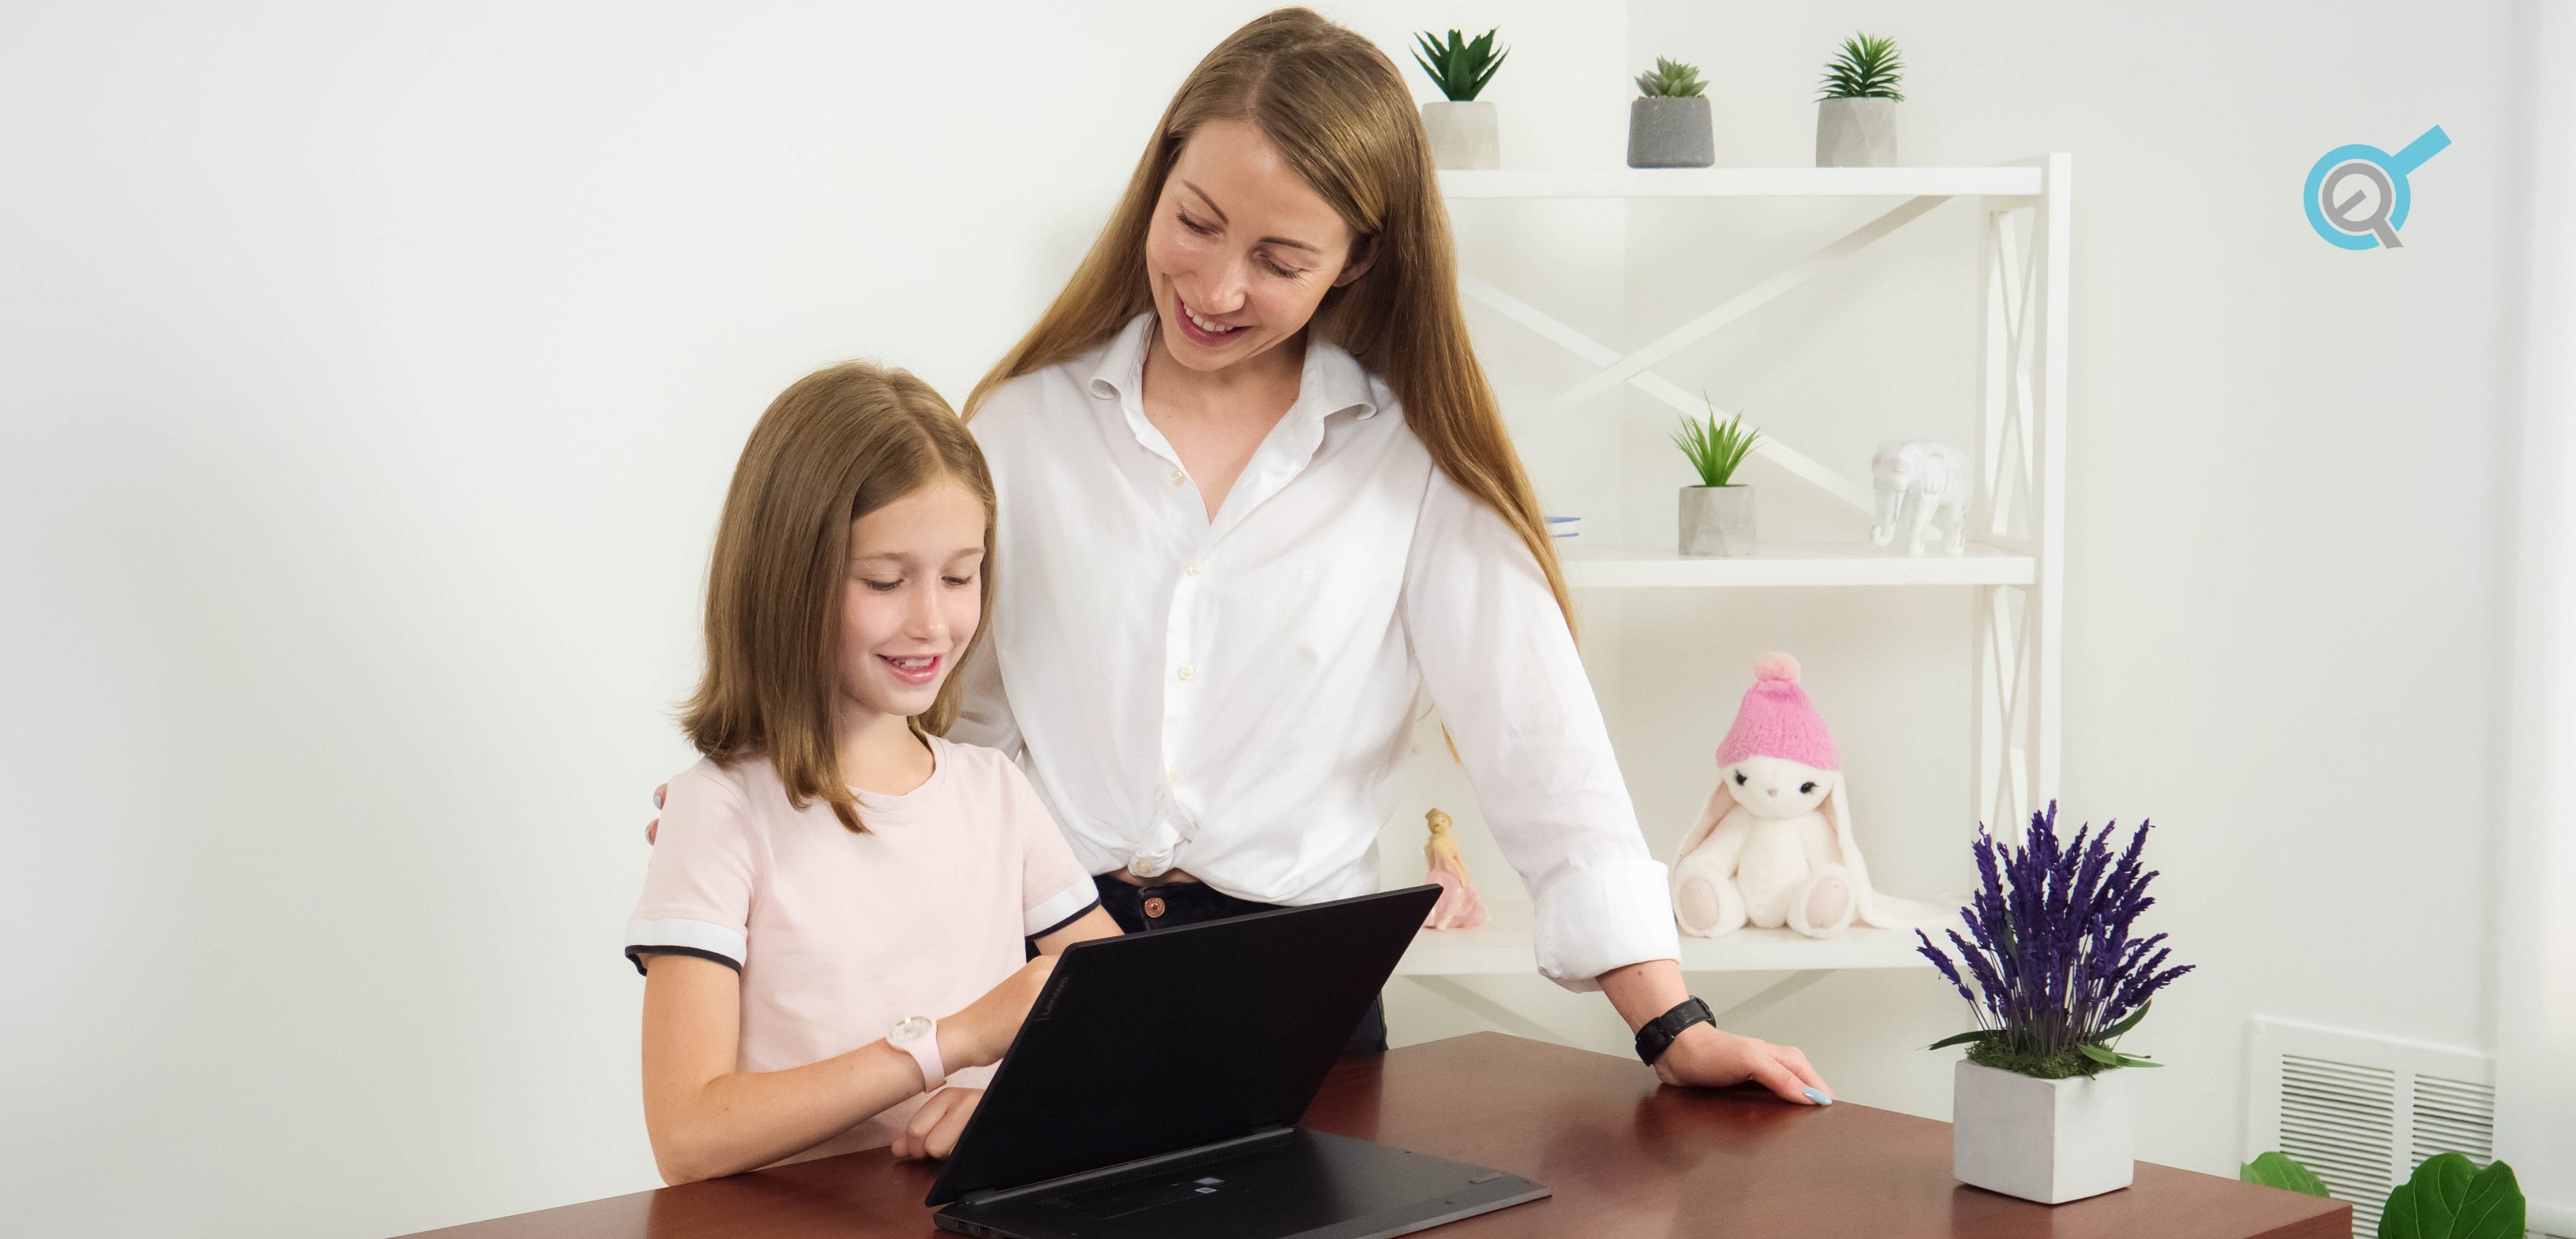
x: 2357, y: 195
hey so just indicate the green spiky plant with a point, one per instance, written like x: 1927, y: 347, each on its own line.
x: 1460, y: 67
x: 1671, y: 79
x: 1714, y: 448
x: 1867, y: 68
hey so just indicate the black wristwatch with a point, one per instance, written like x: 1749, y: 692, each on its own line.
x: 1660, y: 1032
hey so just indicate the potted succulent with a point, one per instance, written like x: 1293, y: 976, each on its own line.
x: 1856, y: 110
x: 1668, y: 123
x: 1463, y: 132
x: 2041, y: 1107
x: 1717, y: 514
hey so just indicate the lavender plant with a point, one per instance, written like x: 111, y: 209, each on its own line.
x: 2058, y: 976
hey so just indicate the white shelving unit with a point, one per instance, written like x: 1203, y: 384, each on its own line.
x: 2014, y: 563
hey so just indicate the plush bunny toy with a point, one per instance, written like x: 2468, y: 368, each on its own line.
x: 1774, y: 846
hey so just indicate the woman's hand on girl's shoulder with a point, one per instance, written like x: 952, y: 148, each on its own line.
x: 935, y: 1127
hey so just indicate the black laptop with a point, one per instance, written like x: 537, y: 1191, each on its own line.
x: 1154, y: 1092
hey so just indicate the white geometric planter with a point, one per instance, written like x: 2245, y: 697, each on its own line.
x: 1717, y: 520
x: 2046, y: 1140
x: 1464, y: 135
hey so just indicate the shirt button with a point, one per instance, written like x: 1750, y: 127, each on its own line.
x: 1179, y: 478
x: 1172, y: 777
x: 1187, y: 673
x: 1195, y: 569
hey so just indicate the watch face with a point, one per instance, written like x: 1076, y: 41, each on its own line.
x: 910, y: 1030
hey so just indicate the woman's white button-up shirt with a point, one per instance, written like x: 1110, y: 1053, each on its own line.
x: 1231, y: 696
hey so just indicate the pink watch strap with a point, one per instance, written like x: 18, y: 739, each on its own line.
x: 925, y: 1051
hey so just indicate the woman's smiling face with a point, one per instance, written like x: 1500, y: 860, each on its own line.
x: 1241, y: 249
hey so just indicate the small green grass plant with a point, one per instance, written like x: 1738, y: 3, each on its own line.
x: 1671, y: 79
x: 1715, y: 449
x: 1867, y: 68
x: 1462, y: 66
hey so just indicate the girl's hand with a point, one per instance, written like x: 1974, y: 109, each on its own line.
x: 979, y: 1034
x: 1706, y: 1056
x: 935, y: 1127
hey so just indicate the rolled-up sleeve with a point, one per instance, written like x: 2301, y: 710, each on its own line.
x: 1501, y: 666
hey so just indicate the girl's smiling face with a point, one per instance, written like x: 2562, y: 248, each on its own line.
x: 912, y: 598
x: 1241, y: 249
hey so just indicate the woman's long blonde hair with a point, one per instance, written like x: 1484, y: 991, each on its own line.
x: 1338, y: 112
x: 836, y: 445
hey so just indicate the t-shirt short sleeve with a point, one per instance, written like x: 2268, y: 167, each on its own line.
x: 1054, y: 887
x: 697, y: 889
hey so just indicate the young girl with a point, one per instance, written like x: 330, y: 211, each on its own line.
x: 834, y: 915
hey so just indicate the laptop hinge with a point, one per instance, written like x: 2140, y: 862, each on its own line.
x: 1243, y: 1142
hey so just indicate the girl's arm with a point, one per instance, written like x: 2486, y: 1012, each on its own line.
x: 707, y: 1119
x: 935, y: 1127
x: 1092, y: 924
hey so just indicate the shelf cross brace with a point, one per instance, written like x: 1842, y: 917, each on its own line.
x: 1546, y: 327
x: 1740, y: 304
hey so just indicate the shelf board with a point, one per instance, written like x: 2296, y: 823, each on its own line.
x: 2008, y: 181
x: 1597, y: 566
x: 1501, y: 946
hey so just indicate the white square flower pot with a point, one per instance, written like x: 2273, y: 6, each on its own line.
x: 1463, y: 134
x: 2046, y: 1140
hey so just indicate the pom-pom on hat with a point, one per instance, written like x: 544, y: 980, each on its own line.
x: 1777, y: 720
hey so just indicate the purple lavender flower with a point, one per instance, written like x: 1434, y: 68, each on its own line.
x: 2054, y: 966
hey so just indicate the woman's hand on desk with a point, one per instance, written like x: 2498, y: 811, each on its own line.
x: 935, y: 1127
x: 1706, y: 1056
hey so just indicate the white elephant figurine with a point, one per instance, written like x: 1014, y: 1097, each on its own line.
x: 1916, y: 481
x: 1774, y: 847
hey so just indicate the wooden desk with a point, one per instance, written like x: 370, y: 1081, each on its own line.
x: 1626, y: 1157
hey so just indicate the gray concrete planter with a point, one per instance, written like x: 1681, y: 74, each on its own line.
x: 2046, y: 1140
x: 1856, y: 133
x: 1463, y: 135
x: 1717, y: 520
x: 1670, y: 133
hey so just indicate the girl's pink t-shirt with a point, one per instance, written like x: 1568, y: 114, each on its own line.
x: 841, y: 936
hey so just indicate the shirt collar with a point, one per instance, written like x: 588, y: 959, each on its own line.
x: 1332, y: 381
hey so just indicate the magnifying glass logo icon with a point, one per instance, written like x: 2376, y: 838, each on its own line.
x: 2357, y: 196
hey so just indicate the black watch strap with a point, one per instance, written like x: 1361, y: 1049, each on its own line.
x: 1660, y: 1032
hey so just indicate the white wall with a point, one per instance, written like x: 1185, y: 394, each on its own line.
x: 369, y: 375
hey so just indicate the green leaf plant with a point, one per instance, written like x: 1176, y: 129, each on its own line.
x: 1867, y: 68
x: 1671, y: 79
x: 2448, y: 1197
x: 2278, y: 1169
x: 1715, y: 449
x: 1460, y: 67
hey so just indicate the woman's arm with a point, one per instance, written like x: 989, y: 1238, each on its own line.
x: 1501, y: 666
x: 707, y: 1119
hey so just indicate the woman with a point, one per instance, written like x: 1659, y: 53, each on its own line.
x: 1256, y: 495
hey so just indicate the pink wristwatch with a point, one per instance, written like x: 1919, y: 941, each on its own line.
x: 919, y: 1037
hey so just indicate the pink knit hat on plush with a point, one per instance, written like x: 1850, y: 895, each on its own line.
x: 1776, y: 720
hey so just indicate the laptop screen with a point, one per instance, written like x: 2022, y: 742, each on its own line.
x: 1158, y: 1042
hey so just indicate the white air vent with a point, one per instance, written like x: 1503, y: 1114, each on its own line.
x: 2363, y: 1111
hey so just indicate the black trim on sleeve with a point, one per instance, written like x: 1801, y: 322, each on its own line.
x: 1086, y: 911
x: 636, y: 954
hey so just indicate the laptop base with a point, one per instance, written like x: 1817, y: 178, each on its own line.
x: 1303, y: 1185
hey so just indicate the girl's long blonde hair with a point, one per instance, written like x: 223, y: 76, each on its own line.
x: 1338, y: 112
x: 836, y: 445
